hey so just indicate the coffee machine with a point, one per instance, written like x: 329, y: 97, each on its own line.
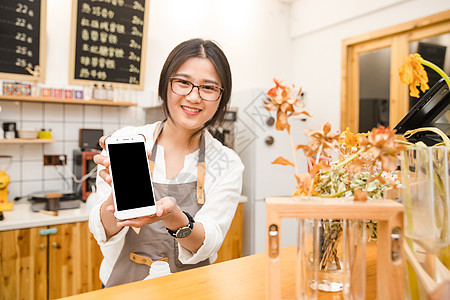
x: 225, y: 133
x: 83, y: 163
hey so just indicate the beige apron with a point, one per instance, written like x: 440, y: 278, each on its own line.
x: 153, y: 242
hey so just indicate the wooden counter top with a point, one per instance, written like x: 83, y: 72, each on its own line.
x: 23, y: 217
x: 242, y: 278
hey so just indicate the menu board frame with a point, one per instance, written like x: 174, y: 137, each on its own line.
x: 73, y: 47
x: 40, y: 77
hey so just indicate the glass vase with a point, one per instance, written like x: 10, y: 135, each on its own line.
x: 355, y: 240
x: 425, y: 177
x: 331, y: 256
x: 307, y: 258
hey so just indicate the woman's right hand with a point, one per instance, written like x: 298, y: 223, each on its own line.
x: 103, y: 161
x: 107, y: 208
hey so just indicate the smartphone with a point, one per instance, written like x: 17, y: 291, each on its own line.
x: 132, y: 186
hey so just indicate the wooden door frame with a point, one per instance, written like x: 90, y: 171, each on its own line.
x: 397, y: 38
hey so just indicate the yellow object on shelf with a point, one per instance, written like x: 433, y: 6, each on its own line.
x: 43, y: 134
x: 6, y: 206
x: 4, y: 181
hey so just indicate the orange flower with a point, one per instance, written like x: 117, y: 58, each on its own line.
x: 413, y: 73
x: 323, y: 138
x: 273, y: 91
x: 349, y: 139
x: 357, y: 165
x: 381, y: 144
x: 304, y: 184
x: 282, y: 100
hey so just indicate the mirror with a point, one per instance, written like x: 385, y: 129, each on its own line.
x: 374, y: 82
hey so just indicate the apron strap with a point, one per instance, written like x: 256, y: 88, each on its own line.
x: 151, y: 163
x: 151, y: 160
x: 200, y: 166
x: 145, y: 260
x: 201, y: 172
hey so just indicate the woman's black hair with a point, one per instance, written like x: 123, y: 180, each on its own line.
x: 202, y: 49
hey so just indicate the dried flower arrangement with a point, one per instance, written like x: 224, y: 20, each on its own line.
x: 366, y: 163
x: 363, y: 169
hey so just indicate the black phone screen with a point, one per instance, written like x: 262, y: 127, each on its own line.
x: 131, y: 177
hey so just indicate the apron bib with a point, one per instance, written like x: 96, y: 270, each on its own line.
x: 153, y: 242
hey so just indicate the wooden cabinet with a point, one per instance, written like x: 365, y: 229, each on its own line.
x: 232, y: 245
x: 74, y: 260
x: 35, y: 266
x: 23, y: 264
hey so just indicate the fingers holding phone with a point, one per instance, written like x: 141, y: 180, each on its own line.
x: 137, y: 222
x: 102, y: 141
x: 103, y: 173
x: 103, y: 161
x: 165, y: 208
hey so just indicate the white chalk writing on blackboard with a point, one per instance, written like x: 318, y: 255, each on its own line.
x: 109, y: 39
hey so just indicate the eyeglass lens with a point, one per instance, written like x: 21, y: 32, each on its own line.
x: 207, y: 92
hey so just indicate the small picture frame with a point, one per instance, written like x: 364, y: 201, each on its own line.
x: 18, y: 89
x: 57, y: 93
x: 27, y: 89
x: 78, y: 94
x: 68, y: 94
x: 47, y: 92
x: 8, y: 88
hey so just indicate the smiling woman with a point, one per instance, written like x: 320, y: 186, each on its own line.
x: 200, y: 65
x: 192, y: 216
x: 183, y: 103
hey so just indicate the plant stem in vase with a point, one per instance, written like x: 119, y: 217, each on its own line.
x: 330, y: 275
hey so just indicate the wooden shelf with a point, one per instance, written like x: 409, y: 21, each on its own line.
x: 27, y: 141
x: 67, y: 101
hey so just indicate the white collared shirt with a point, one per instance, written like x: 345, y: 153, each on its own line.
x: 223, y: 184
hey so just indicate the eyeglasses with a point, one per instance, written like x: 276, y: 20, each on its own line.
x: 184, y: 87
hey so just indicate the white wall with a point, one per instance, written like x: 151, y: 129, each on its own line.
x: 317, y: 49
x: 253, y: 33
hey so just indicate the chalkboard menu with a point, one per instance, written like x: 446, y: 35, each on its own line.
x: 108, y: 41
x: 22, y: 38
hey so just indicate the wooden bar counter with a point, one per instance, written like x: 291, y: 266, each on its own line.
x: 242, y: 278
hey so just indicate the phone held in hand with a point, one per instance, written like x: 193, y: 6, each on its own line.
x: 132, y: 187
